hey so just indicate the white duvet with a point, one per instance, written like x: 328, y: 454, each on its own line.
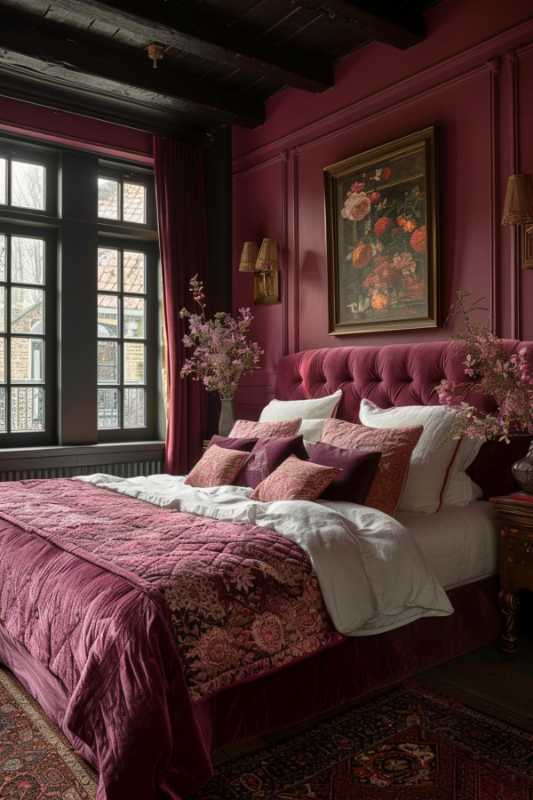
x: 372, y: 575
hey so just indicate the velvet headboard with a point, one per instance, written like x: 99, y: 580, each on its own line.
x: 399, y: 375
x: 393, y: 375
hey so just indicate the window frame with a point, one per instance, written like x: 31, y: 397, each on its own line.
x: 128, y: 173
x: 30, y: 153
x: 72, y: 230
x: 49, y: 435
x: 149, y: 431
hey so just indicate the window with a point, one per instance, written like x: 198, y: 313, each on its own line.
x: 106, y: 308
x: 123, y: 199
x: 122, y: 338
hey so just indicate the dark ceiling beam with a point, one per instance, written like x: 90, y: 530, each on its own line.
x: 68, y: 54
x: 372, y: 20
x: 286, y: 65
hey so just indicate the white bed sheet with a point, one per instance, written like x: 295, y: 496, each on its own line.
x: 460, y: 545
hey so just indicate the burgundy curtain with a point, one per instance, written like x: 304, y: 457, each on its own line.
x: 182, y: 225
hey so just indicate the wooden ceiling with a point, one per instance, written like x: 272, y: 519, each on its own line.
x: 222, y: 58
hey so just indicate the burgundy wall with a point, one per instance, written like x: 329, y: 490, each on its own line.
x: 473, y: 78
x: 74, y: 130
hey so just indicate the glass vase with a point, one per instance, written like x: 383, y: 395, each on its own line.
x: 227, y: 416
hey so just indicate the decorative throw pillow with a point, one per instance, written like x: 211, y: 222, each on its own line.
x: 358, y: 470
x: 217, y: 467
x: 395, y: 446
x: 233, y: 443
x: 263, y: 430
x: 295, y: 480
x: 433, y: 457
x: 315, y: 408
x: 266, y: 456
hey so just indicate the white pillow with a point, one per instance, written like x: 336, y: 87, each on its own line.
x: 318, y: 408
x: 433, y: 456
x: 460, y: 489
x: 311, y: 429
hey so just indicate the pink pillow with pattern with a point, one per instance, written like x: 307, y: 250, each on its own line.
x: 265, y: 430
x: 395, y: 446
x: 295, y: 479
x: 217, y: 467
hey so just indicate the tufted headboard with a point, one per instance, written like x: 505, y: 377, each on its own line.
x: 393, y: 375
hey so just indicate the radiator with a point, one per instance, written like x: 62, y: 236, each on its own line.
x: 124, y: 470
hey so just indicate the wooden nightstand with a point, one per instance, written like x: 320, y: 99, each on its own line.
x: 515, y: 514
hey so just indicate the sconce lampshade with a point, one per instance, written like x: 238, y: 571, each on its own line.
x: 248, y: 257
x: 518, y: 208
x: 267, y: 260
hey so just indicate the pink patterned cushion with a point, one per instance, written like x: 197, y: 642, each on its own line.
x: 265, y: 430
x: 395, y: 446
x: 217, y: 467
x: 295, y: 479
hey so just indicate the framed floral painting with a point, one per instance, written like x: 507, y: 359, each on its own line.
x: 381, y: 221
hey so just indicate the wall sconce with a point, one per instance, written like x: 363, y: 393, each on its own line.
x: 518, y: 210
x: 265, y: 266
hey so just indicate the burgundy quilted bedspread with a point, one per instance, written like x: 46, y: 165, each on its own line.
x: 139, y: 611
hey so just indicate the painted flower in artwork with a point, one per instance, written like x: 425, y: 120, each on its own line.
x: 356, y: 206
x: 361, y: 255
x: 383, y: 223
x: 418, y: 239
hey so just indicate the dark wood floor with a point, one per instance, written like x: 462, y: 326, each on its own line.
x: 490, y: 682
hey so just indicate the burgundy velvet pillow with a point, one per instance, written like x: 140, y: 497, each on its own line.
x: 358, y: 467
x: 266, y: 456
x: 233, y: 443
x: 491, y: 469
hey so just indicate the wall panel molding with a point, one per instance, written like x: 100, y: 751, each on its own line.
x: 446, y: 71
x: 515, y: 273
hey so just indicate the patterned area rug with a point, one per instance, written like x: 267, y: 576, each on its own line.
x: 36, y: 761
x: 408, y: 744
x: 405, y: 745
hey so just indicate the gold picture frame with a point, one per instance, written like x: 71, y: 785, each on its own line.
x: 382, y: 238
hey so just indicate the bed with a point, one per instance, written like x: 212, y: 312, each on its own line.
x: 89, y: 604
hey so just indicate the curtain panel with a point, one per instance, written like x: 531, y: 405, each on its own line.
x: 182, y: 226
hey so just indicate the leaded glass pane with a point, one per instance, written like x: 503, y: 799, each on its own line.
x: 134, y: 318
x: 134, y: 272
x: 27, y: 310
x: 108, y: 198
x: 27, y: 409
x: 134, y: 362
x: 27, y: 360
x: 27, y: 260
x: 108, y: 316
x: 134, y: 203
x: 108, y: 362
x: 3, y: 181
x: 108, y: 409
x: 28, y: 185
x: 108, y: 276
x: 134, y: 408
x: 3, y: 408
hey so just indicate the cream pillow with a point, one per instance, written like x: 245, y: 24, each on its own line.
x: 460, y: 489
x: 433, y: 457
x: 316, y: 408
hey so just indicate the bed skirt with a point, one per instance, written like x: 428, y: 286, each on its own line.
x: 346, y: 671
x: 351, y: 669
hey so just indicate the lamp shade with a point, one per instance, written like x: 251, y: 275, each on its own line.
x: 267, y: 260
x: 248, y: 257
x: 518, y: 209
